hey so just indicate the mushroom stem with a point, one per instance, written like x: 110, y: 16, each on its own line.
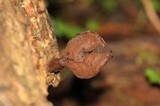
x: 54, y: 66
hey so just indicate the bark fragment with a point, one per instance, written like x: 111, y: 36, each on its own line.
x: 39, y: 33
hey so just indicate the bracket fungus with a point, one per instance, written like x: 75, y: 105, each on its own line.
x: 85, y: 54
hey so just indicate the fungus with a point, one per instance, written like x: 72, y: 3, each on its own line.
x: 85, y: 54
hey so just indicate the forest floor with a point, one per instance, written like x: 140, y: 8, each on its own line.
x: 135, y: 45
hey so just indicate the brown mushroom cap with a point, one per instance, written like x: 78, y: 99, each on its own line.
x: 85, y: 54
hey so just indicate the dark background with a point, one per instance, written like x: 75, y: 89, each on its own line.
x: 132, y: 77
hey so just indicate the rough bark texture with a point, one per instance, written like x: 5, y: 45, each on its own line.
x: 26, y: 46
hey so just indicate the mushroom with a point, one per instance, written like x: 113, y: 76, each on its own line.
x: 85, y: 54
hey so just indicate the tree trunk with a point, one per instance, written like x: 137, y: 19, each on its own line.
x: 26, y: 47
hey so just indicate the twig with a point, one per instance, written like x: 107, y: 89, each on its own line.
x: 152, y: 16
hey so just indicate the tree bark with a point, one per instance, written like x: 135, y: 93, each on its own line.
x: 26, y: 47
